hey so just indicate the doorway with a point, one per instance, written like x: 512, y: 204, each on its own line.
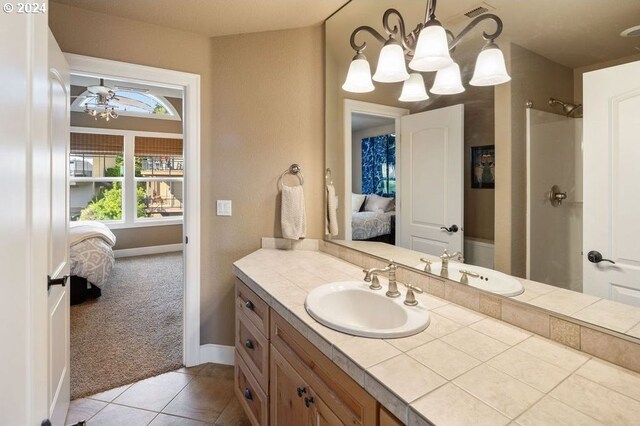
x: 160, y: 196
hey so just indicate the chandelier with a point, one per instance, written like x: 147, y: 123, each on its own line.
x: 101, y: 108
x: 426, y: 49
x: 96, y: 103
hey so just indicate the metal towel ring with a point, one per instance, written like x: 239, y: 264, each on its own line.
x: 294, y: 169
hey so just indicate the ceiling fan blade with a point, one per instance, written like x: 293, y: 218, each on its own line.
x: 131, y: 89
x: 134, y: 103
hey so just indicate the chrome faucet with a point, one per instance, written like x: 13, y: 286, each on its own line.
x: 370, y: 277
x: 444, y: 269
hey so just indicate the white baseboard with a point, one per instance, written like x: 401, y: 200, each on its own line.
x: 218, y: 354
x: 141, y: 251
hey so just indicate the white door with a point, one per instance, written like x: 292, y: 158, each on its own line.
x: 430, y: 187
x: 58, y: 314
x: 611, y: 184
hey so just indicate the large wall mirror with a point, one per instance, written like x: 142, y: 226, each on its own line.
x: 530, y: 185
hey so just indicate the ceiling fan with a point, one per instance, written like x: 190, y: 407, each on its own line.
x: 101, y: 101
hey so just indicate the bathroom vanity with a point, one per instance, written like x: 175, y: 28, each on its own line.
x: 465, y: 368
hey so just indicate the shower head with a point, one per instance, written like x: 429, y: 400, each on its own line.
x: 568, y: 108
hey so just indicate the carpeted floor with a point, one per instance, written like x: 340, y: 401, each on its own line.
x: 134, y: 330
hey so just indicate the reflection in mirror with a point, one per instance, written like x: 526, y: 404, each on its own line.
x: 519, y: 177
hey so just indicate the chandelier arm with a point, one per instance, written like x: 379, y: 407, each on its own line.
x: 450, y: 38
x: 360, y: 47
x: 431, y: 10
x: 473, y: 24
x: 400, y: 27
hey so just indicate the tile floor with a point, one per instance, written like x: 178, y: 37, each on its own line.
x: 201, y: 395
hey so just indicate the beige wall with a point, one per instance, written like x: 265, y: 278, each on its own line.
x: 535, y: 78
x: 262, y: 109
x: 147, y: 236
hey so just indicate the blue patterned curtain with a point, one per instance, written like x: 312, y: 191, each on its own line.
x: 379, y: 165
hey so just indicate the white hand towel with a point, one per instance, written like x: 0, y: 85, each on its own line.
x: 332, y: 214
x: 293, y: 215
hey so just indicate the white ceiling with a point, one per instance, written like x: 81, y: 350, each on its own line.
x: 574, y: 33
x: 217, y: 17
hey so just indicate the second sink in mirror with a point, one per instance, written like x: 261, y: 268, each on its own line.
x: 479, y: 277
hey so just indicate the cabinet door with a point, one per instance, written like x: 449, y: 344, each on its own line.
x: 288, y: 393
x: 321, y: 414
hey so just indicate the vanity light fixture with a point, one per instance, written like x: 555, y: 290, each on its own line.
x: 426, y: 49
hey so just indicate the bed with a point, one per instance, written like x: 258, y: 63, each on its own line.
x: 91, y: 251
x: 373, y: 218
x: 374, y: 226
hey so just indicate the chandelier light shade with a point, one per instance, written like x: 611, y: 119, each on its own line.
x: 448, y: 81
x: 391, y: 66
x: 359, y: 76
x: 413, y: 89
x: 427, y: 49
x: 432, y: 49
x: 490, y: 68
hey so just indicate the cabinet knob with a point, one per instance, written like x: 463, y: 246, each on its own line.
x: 300, y: 390
x: 249, y: 305
x: 248, y: 394
x: 308, y: 401
x: 249, y: 344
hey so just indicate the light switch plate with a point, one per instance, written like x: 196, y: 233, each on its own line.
x: 223, y: 207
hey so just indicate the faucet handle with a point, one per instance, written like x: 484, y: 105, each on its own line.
x: 464, y: 279
x: 375, y: 283
x: 410, y: 299
x: 427, y: 264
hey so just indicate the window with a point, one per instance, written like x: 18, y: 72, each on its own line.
x: 379, y: 165
x: 159, y: 167
x: 126, y: 178
x: 130, y: 103
x: 96, y: 176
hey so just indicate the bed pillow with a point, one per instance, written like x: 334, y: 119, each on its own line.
x: 356, y: 202
x: 376, y: 203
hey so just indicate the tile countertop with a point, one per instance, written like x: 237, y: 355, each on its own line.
x: 465, y: 368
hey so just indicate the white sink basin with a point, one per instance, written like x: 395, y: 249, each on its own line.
x: 489, y: 280
x: 353, y: 308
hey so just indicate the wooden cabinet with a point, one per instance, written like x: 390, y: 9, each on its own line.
x: 282, y: 379
x: 252, y: 354
x: 293, y: 401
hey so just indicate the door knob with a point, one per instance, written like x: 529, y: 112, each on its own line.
x: 249, y: 305
x: 452, y: 229
x: 56, y: 281
x: 301, y: 390
x: 595, y: 257
x: 249, y: 344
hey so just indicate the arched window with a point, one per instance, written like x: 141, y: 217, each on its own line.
x: 131, y: 103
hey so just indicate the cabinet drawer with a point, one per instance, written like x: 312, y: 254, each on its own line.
x: 253, y: 347
x: 255, y: 309
x: 253, y: 400
x: 348, y: 400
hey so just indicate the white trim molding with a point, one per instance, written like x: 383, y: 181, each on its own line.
x: 143, y: 251
x: 218, y: 354
x: 190, y: 85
